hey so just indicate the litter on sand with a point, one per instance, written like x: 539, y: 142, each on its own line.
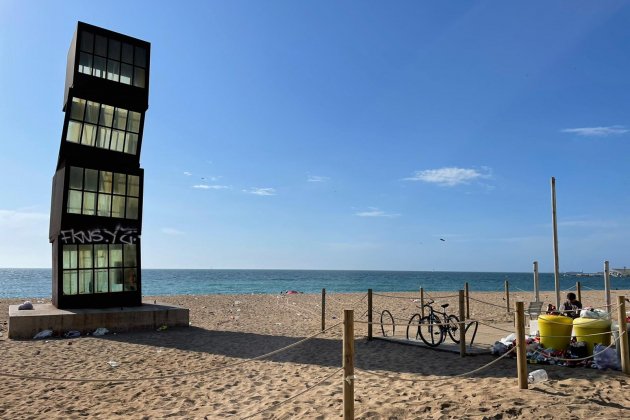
x: 42, y: 334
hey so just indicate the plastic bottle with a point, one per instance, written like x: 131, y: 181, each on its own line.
x: 537, y: 376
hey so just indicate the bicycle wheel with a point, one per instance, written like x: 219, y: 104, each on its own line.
x: 453, y: 328
x: 388, y: 328
x: 413, y: 327
x: 431, y: 332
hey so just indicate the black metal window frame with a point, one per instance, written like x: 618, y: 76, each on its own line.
x: 96, y: 130
x: 82, y: 276
x: 90, y: 52
x: 101, y: 193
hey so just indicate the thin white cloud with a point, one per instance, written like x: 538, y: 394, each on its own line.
x: 597, y: 131
x: 211, y: 187
x: 188, y: 173
x: 317, y: 178
x: 13, y: 218
x: 171, y: 231
x: 261, y: 191
x: 450, y: 176
x: 375, y: 212
x: 588, y: 223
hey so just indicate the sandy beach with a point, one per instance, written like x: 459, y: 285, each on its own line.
x: 207, y: 371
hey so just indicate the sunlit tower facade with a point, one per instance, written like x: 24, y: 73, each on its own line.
x: 97, y: 195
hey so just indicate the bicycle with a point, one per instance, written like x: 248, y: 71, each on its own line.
x: 431, y: 329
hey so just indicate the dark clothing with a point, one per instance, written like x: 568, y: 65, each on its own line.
x: 572, y: 308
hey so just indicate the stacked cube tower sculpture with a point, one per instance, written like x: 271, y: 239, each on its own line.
x: 96, y: 209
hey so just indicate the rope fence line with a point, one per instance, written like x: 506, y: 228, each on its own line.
x: 278, y: 404
x: 396, y: 297
x: 175, y: 375
x: 487, y: 303
x: 479, y: 369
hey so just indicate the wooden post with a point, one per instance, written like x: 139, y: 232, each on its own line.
x: 607, y: 285
x: 507, y: 295
x: 536, y: 283
x: 467, y: 291
x: 521, y: 346
x: 578, y: 288
x: 323, y: 309
x: 369, y: 314
x: 422, y: 302
x: 624, y: 349
x: 348, y: 364
x: 556, y: 263
x: 462, y: 325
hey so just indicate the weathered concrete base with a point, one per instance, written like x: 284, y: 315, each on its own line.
x: 26, y: 323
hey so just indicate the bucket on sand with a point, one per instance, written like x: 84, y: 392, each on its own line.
x: 584, y: 328
x: 555, y: 331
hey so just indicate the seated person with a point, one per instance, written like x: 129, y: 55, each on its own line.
x: 572, y: 306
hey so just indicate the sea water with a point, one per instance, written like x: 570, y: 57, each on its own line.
x: 37, y: 283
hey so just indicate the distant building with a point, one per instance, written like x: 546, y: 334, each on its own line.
x: 620, y: 272
x: 96, y: 209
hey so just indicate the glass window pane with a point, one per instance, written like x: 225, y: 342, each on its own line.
x: 131, y: 144
x: 120, y: 119
x: 101, y: 281
x: 141, y: 57
x: 116, y: 280
x: 118, y: 141
x: 130, y: 255
x: 133, y: 185
x: 113, y: 70
x: 70, y: 282
x: 132, y: 208
x: 138, y: 77
x: 74, y: 131
x: 104, y: 205
x: 102, y: 137
x: 100, y: 64
x: 100, y: 46
x: 126, y: 71
x: 114, y: 49
x: 91, y: 114
x: 133, y: 122
x: 105, y: 182
x: 107, y: 115
x: 118, y: 206
x: 74, y: 202
x: 85, y: 63
x: 89, y: 135
x: 70, y: 257
x: 85, y: 281
x: 100, y: 256
x: 77, y: 109
x: 127, y: 53
x: 85, y: 256
x: 89, y: 203
x: 91, y: 180
x: 115, y: 255
x: 130, y: 280
x: 87, y: 41
x: 120, y: 181
x: 76, y: 178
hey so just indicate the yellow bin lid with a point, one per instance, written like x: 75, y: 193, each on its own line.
x: 556, y: 319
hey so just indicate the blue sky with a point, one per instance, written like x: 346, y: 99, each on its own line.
x: 344, y: 135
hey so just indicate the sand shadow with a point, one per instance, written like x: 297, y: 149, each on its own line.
x: 387, y: 358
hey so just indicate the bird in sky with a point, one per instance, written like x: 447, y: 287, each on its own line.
x: 442, y: 239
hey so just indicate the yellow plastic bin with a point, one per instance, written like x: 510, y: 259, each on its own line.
x: 555, y: 331
x: 584, y: 328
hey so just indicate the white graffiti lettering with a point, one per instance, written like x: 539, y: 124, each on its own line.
x: 120, y: 235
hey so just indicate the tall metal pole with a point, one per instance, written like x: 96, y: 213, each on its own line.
x: 607, y: 285
x: 536, y: 282
x: 556, y: 264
